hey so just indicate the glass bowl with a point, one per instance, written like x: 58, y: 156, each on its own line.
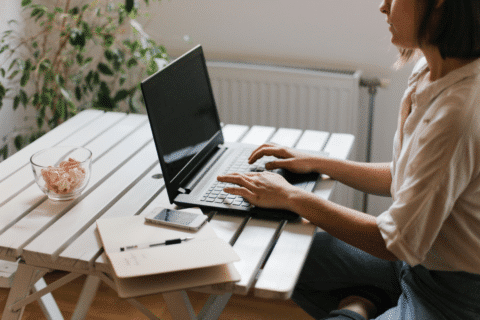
x: 62, y: 173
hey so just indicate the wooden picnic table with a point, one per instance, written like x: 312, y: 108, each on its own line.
x: 38, y: 235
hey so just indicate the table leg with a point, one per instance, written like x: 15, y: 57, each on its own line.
x: 86, y: 297
x: 179, y: 305
x: 23, y: 282
x: 140, y: 307
x: 214, y: 306
x: 47, y: 302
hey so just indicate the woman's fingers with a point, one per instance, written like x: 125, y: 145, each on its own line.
x: 242, y: 180
x: 266, y: 151
x: 265, y: 145
x: 243, y: 192
x: 265, y: 189
x: 237, y: 178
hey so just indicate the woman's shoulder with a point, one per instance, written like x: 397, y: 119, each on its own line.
x: 459, y: 105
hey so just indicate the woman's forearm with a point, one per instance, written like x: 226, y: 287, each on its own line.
x: 373, y: 178
x: 353, y: 227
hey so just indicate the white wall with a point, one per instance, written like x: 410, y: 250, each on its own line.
x: 345, y: 34
x: 19, y: 121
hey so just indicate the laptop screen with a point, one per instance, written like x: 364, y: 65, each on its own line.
x: 181, y: 110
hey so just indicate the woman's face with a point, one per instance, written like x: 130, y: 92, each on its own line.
x: 402, y: 16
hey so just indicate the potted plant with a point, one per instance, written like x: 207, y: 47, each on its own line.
x: 77, y: 57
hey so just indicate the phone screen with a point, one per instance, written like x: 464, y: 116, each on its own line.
x: 174, y: 216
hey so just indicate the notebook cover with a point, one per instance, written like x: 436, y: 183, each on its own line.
x: 205, y: 250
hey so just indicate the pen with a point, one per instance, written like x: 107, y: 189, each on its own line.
x: 149, y: 245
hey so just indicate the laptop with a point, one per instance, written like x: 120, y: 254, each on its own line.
x: 191, y: 149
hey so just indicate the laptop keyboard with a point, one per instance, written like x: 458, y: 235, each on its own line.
x: 215, y: 193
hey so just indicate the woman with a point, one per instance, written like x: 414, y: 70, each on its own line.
x: 420, y: 259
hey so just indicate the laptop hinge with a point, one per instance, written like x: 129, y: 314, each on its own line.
x: 183, y: 191
x: 191, y: 184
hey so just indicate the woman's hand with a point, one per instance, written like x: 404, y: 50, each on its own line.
x: 290, y: 159
x: 265, y: 189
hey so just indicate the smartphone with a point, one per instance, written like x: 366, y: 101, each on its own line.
x: 175, y: 218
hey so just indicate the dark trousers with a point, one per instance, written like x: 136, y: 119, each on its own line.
x: 334, y: 270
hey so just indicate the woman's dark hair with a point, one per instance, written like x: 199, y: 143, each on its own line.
x: 456, y: 25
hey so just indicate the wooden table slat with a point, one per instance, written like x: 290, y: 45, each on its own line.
x: 339, y: 145
x: 226, y: 226
x: 22, y: 157
x: 258, y: 135
x: 286, y: 137
x: 233, y: 132
x: 115, y: 135
x: 252, y: 246
x: 312, y: 140
x: 279, y: 275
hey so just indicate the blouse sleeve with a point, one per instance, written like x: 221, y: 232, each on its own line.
x: 439, y: 168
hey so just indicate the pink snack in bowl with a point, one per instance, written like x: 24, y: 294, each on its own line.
x: 65, y: 178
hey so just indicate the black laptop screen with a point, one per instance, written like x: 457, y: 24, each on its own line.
x: 181, y: 110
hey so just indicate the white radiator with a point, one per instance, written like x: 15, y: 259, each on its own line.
x: 291, y: 98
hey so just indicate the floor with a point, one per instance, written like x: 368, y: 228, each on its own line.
x: 108, y: 306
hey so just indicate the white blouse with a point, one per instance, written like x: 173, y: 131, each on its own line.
x: 435, y: 216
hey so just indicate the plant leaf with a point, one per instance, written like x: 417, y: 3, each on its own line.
x: 3, y: 48
x: 12, y: 64
x: 23, y: 98
x: 79, y: 57
x: 129, y: 5
x: 3, y: 91
x: 18, y: 142
x: 103, y: 68
x: 16, y: 102
x: 36, y: 99
x: 4, y: 151
x: 108, y: 40
x: 25, y: 77
x: 61, y: 109
x: 131, y: 62
x: 60, y: 80
x: 121, y: 95
x: 78, y: 93
x: 13, y: 74
x: 26, y: 2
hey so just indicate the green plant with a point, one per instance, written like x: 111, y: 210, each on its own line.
x: 77, y: 57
